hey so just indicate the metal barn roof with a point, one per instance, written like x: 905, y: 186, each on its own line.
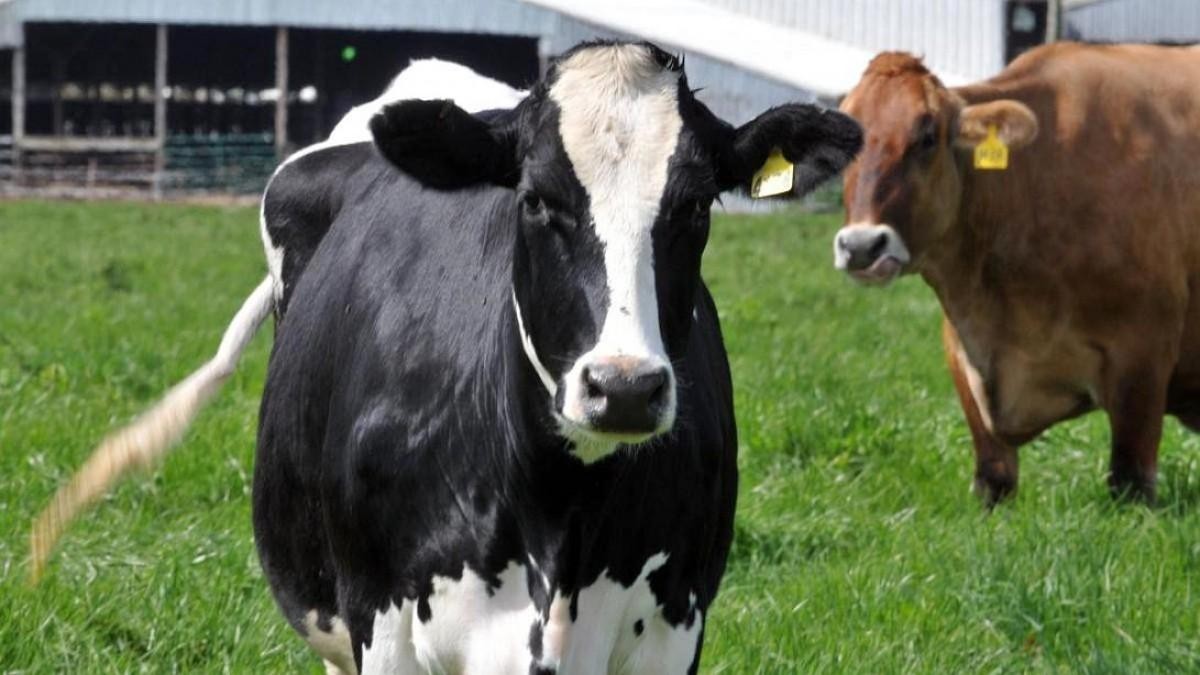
x: 475, y: 16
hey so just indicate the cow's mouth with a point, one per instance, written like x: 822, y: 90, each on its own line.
x: 880, y: 273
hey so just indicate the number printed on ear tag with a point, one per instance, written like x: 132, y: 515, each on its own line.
x: 992, y: 153
x: 774, y: 178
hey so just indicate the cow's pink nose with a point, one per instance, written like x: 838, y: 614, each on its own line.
x: 625, y: 394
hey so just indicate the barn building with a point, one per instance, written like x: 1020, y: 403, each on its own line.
x: 175, y: 96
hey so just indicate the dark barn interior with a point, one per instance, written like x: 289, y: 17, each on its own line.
x: 351, y: 67
x: 217, y: 75
x: 89, y: 80
x: 6, y: 56
x: 93, y: 92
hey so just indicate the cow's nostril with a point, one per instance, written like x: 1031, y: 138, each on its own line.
x: 877, y: 247
x: 592, y: 387
x: 658, y: 395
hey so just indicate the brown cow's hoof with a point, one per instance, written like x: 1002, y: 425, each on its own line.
x: 992, y: 490
x: 1132, y: 488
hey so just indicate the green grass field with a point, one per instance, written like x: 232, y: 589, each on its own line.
x: 859, y: 548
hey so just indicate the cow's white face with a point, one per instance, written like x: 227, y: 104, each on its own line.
x: 614, y: 197
x: 619, y: 124
x: 614, y: 166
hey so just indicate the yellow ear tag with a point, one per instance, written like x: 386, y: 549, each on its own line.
x: 992, y: 153
x: 774, y: 178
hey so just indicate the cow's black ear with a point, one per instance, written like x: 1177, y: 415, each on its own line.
x: 820, y: 142
x: 444, y: 146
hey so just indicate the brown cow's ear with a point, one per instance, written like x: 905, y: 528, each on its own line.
x: 1015, y: 123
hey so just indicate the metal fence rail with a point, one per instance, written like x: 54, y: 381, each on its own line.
x: 226, y: 164
x: 238, y: 163
x: 6, y: 160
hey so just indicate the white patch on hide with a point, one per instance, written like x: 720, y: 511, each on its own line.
x: 620, y: 123
x: 332, y: 645
x: 472, y: 631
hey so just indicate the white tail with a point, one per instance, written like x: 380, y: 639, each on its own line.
x: 151, y: 435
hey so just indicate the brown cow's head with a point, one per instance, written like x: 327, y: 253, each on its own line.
x: 902, y: 194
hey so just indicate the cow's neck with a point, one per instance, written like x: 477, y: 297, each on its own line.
x: 992, y: 254
x: 966, y: 301
x: 560, y: 491
x: 969, y: 267
x: 571, y: 518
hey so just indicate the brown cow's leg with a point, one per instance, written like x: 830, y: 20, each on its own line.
x: 995, y: 462
x: 1135, y: 412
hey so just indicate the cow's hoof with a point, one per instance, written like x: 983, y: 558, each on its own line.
x: 992, y: 490
x: 1134, y: 489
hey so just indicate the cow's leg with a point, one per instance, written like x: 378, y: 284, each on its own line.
x: 995, y: 461
x: 1136, y: 402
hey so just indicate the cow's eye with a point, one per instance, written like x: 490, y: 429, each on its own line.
x: 539, y: 213
x: 928, y: 138
x: 532, y: 205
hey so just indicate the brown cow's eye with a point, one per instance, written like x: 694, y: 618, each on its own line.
x: 927, y: 139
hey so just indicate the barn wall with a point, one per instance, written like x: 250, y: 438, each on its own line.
x: 964, y: 37
x: 733, y: 93
x: 1134, y: 21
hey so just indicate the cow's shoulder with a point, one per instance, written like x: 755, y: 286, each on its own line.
x: 304, y: 197
x: 404, y: 290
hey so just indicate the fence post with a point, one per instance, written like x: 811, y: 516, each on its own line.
x: 1053, y: 20
x: 281, y: 86
x: 18, y: 110
x: 160, y: 108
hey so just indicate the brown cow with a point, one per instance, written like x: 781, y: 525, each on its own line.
x: 1066, y: 280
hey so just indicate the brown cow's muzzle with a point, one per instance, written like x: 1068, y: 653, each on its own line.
x: 870, y: 254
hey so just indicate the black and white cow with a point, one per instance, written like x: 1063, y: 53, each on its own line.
x: 155, y: 432
x: 497, y: 433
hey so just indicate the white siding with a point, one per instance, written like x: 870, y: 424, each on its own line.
x: 1134, y: 21
x: 960, y: 37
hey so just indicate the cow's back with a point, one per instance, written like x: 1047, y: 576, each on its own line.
x: 1115, y: 163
